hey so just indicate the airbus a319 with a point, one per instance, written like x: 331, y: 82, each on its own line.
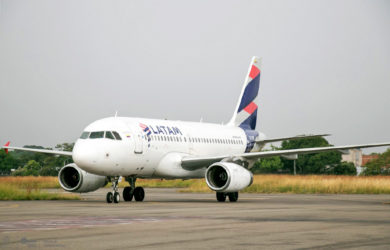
x: 161, y: 149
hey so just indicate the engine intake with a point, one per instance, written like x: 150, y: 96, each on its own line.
x: 74, y: 179
x: 228, y: 177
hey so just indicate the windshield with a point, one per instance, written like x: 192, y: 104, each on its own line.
x: 117, y: 136
x: 84, y: 135
x: 109, y: 135
x: 96, y: 135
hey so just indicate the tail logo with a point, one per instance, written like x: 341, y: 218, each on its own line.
x: 247, y: 109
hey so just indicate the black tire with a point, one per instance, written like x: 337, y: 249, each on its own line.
x: 116, y: 197
x: 127, y: 194
x: 139, y: 194
x: 221, y: 197
x: 233, y: 197
x: 109, y: 197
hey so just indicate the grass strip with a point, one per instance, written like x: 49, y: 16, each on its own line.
x: 10, y: 192
x: 300, y: 184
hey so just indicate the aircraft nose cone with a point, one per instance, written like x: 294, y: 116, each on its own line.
x: 84, y: 156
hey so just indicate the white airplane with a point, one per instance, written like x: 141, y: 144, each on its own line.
x: 148, y: 148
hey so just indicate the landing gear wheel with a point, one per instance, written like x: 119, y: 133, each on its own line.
x: 127, y: 194
x: 139, y: 194
x: 109, y: 197
x: 233, y: 197
x: 221, y: 197
x: 116, y: 197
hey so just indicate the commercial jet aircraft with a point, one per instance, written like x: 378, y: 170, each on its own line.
x: 148, y: 148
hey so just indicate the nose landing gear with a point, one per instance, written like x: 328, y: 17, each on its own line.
x: 131, y: 191
x: 114, y: 195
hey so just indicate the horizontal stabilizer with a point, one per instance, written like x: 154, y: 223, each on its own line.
x: 290, y: 138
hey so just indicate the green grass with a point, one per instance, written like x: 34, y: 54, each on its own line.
x: 310, y: 184
x: 29, y: 188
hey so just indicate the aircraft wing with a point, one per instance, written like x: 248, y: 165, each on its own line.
x: 193, y: 162
x: 46, y: 151
x: 289, y: 138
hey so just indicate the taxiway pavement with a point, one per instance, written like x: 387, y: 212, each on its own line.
x: 168, y: 219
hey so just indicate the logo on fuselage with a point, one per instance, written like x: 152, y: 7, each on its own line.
x: 157, y: 130
x: 165, y: 130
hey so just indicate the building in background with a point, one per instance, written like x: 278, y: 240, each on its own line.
x: 358, y: 159
x: 367, y: 158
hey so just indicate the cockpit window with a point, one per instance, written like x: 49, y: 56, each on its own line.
x: 84, y: 135
x: 96, y: 135
x: 117, y: 136
x: 109, y: 135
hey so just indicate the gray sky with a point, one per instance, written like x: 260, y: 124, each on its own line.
x: 64, y: 64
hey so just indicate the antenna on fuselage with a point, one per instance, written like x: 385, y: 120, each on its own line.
x: 116, y: 113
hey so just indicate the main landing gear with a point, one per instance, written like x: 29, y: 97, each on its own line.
x: 128, y: 192
x: 131, y: 191
x: 221, y: 197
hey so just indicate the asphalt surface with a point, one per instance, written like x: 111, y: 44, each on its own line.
x: 168, y: 219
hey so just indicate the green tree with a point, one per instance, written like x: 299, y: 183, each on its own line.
x: 311, y: 163
x: 49, y: 163
x: 65, y: 146
x: 31, y: 168
x: 7, y: 162
x: 380, y: 166
x: 344, y: 168
x: 268, y: 165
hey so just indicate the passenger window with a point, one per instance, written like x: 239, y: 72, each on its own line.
x: 96, y: 135
x: 117, y: 136
x: 109, y: 135
x: 84, y: 135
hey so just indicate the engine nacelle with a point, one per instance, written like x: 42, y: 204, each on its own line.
x: 228, y: 177
x: 74, y: 179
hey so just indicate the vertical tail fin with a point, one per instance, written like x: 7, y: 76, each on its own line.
x: 245, y: 114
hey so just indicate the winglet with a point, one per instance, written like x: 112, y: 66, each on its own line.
x: 6, y: 145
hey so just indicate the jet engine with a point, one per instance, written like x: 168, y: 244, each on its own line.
x: 228, y: 177
x: 74, y: 179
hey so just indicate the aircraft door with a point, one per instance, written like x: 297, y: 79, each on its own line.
x: 138, y: 143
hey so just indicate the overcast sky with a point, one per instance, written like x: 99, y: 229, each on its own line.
x: 64, y: 64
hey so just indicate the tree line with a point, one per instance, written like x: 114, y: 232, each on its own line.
x: 25, y: 163
x: 328, y: 163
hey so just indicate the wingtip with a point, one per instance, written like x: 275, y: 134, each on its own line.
x: 6, y: 145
